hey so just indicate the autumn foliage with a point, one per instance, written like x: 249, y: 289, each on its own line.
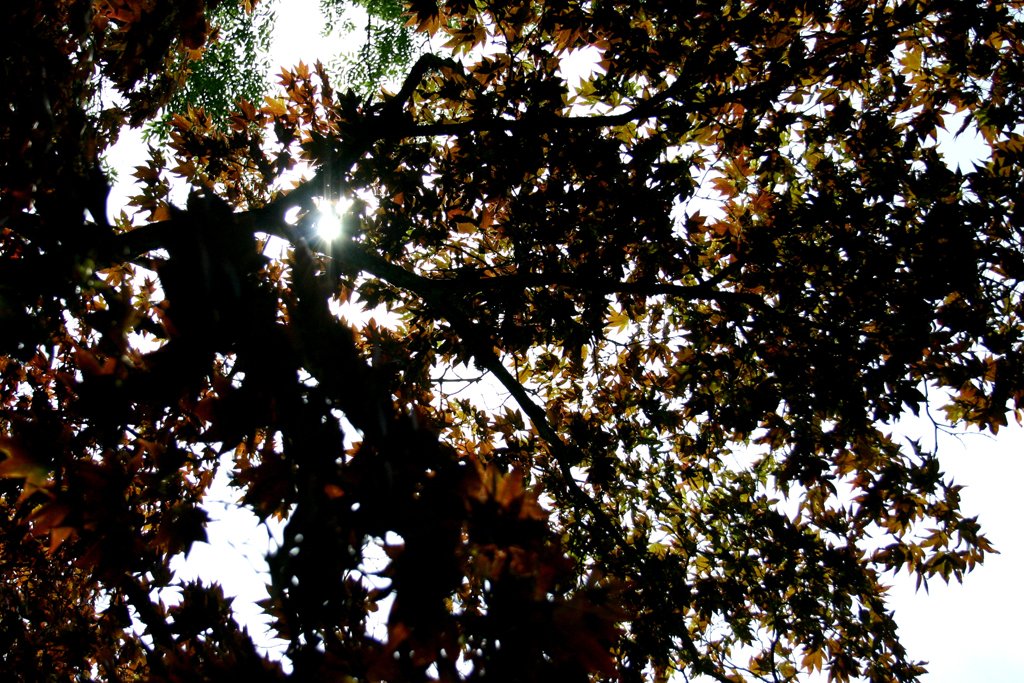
x: 601, y: 365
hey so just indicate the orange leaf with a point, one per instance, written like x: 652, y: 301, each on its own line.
x: 57, y: 537
x: 46, y: 517
x: 18, y: 463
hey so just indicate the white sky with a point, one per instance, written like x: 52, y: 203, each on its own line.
x: 970, y: 632
x: 967, y: 632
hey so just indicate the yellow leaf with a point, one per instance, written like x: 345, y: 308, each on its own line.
x: 813, y: 660
x: 275, y: 105
x: 911, y: 61
x: 617, y: 321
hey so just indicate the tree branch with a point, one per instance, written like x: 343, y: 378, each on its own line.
x: 156, y: 625
x: 704, y: 290
x: 478, y: 343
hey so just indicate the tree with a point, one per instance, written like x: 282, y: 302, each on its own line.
x: 701, y: 279
x: 390, y: 48
x: 230, y: 67
x: 232, y: 64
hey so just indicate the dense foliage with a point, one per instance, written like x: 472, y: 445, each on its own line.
x: 622, y: 415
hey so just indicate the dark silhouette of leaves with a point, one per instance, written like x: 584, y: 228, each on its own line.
x: 646, y: 280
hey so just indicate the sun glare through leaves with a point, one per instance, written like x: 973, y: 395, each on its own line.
x: 330, y: 221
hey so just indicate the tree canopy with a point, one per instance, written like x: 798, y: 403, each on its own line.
x: 230, y: 66
x: 389, y: 47
x: 639, y: 328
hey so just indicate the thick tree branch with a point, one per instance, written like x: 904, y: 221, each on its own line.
x: 156, y: 624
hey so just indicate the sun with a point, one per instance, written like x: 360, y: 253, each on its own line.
x: 330, y: 222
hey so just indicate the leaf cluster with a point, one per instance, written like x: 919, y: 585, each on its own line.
x: 601, y: 369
